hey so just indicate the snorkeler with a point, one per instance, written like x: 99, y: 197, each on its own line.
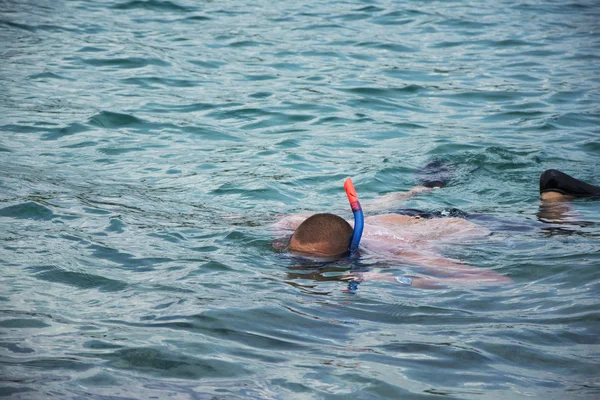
x: 410, y: 236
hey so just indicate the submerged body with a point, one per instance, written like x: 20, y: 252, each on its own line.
x: 395, y: 234
x: 417, y: 242
x: 418, y: 238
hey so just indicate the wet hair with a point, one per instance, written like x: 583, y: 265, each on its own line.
x: 328, y: 228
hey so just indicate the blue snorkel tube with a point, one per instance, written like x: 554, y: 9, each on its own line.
x: 359, y: 218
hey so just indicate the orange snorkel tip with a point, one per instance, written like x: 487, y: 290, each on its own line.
x: 351, y: 193
x: 359, y: 219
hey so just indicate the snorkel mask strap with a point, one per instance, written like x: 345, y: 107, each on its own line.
x: 359, y: 219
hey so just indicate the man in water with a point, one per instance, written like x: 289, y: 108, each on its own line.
x: 415, y: 238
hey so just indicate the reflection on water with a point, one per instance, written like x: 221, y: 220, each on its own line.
x: 557, y: 212
x: 560, y: 217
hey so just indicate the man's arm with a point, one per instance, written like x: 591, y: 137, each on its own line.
x: 380, y: 203
x: 490, y: 278
x: 445, y: 271
x: 481, y: 278
x: 390, y: 200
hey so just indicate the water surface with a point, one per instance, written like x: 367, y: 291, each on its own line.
x: 147, y: 146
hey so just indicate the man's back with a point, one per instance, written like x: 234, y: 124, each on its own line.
x: 395, y: 233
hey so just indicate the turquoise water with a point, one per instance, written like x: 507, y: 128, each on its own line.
x: 147, y: 146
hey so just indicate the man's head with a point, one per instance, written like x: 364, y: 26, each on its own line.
x: 323, y: 235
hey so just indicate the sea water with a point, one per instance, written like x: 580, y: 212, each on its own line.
x: 147, y: 146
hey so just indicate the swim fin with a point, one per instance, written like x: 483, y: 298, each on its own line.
x: 553, y: 180
x: 436, y: 174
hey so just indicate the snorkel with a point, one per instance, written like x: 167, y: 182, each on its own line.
x: 359, y: 219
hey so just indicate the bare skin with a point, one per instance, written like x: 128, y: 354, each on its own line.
x: 556, y: 207
x: 412, y: 240
x: 555, y: 196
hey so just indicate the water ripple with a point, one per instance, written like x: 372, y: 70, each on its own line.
x: 149, y: 145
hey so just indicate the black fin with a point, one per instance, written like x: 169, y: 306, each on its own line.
x: 436, y: 174
x: 553, y: 180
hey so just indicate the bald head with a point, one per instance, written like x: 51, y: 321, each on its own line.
x: 324, y: 235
